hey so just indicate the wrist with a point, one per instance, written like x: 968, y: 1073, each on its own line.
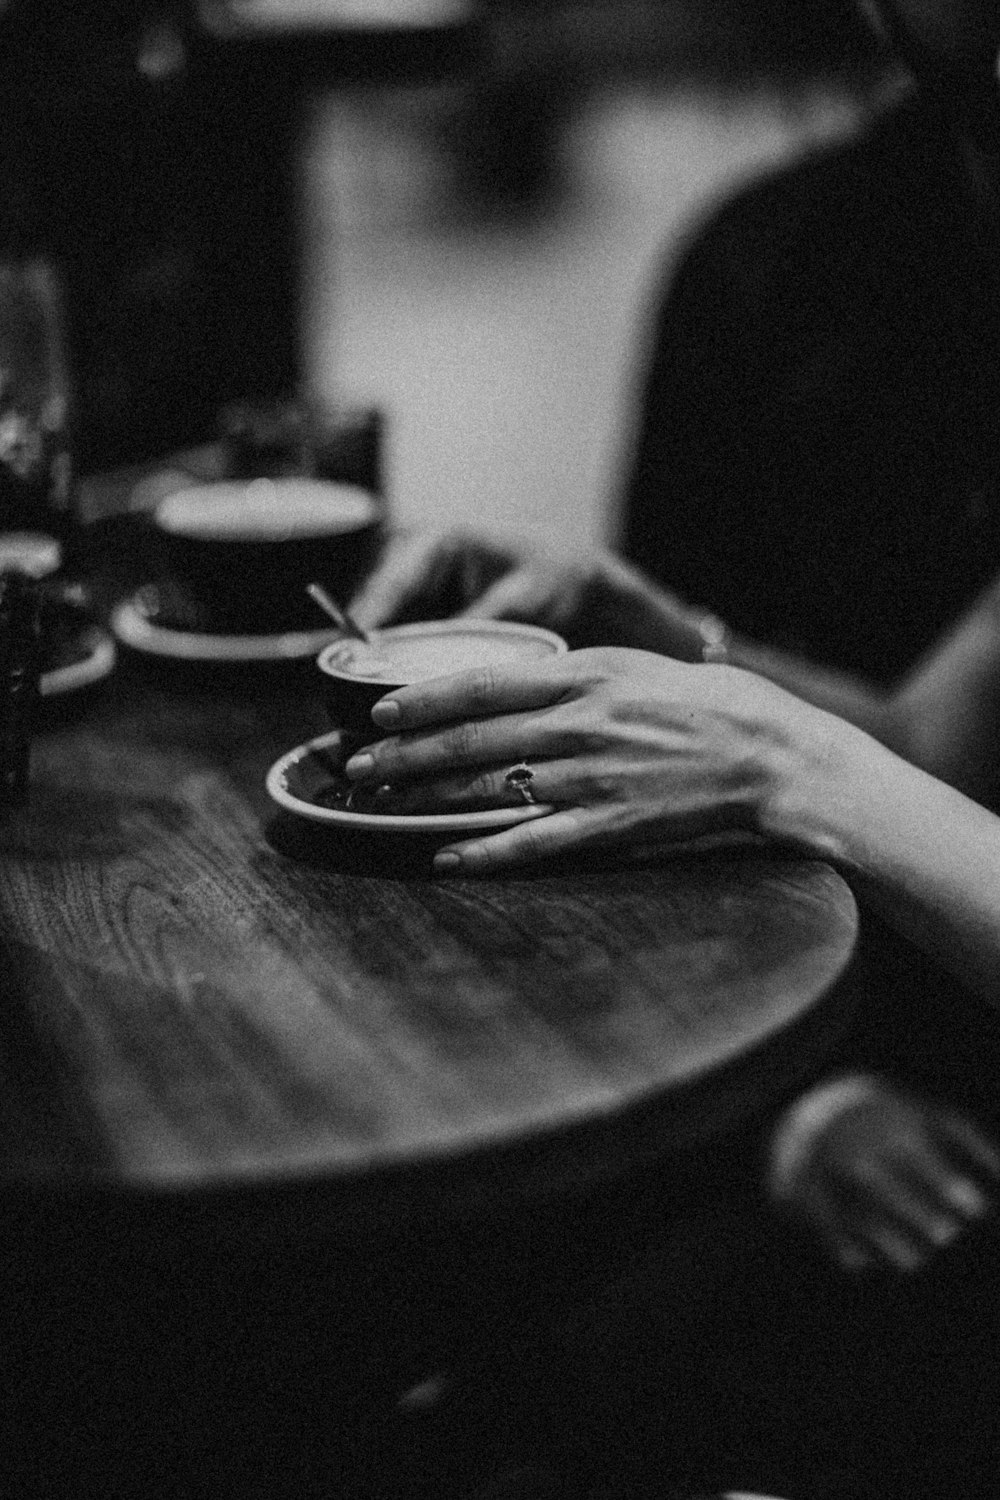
x: 820, y: 772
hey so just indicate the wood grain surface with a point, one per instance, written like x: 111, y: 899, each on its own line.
x: 201, y: 993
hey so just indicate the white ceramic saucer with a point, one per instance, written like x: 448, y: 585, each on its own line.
x: 298, y: 780
x: 134, y: 629
x: 97, y: 663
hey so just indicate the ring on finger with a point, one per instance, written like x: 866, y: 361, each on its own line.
x: 518, y: 779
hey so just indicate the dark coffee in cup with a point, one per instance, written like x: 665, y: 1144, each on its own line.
x: 358, y: 673
x: 245, y: 550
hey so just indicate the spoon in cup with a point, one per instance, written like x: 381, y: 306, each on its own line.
x: 340, y: 616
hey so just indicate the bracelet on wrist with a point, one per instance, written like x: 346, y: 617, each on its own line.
x: 714, y: 636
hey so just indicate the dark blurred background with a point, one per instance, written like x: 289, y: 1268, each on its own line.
x: 452, y: 210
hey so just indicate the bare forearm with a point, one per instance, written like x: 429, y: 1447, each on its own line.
x: 943, y: 716
x: 948, y: 711
x: 855, y: 699
x: 889, y: 799
x: 658, y: 621
x: 921, y: 852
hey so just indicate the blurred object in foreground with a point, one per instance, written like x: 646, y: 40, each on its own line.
x: 20, y: 613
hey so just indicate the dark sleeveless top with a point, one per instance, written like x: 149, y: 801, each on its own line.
x: 818, y: 456
x: 818, y: 459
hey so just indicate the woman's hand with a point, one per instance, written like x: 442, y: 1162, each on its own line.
x: 625, y: 747
x: 878, y: 1176
x: 590, y: 598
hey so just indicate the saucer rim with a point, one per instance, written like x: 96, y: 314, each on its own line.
x: 132, y: 628
x: 94, y: 667
x: 494, y: 818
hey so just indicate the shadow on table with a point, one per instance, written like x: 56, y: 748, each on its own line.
x: 410, y: 856
x: 344, y: 852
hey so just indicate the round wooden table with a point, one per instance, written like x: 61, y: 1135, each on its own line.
x: 203, y: 994
x: 281, y: 1115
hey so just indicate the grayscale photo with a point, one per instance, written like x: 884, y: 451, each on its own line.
x: 499, y: 749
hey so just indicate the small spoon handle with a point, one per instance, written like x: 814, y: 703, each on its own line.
x: 339, y: 616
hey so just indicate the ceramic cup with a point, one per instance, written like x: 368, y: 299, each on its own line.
x: 246, y: 549
x: 357, y: 674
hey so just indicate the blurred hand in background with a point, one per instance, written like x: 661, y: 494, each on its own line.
x: 590, y: 597
x: 881, y: 1177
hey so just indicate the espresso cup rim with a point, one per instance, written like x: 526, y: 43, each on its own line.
x: 484, y: 627
x: 192, y: 538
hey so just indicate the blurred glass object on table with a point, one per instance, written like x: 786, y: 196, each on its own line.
x: 35, y: 446
x: 157, y: 172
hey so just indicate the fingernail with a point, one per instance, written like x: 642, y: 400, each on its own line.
x: 942, y: 1231
x: 447, y: 862
x: 966, y: 1197
x: 359, y: 765
x: 386, y: 713
x: 905, y: 1257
